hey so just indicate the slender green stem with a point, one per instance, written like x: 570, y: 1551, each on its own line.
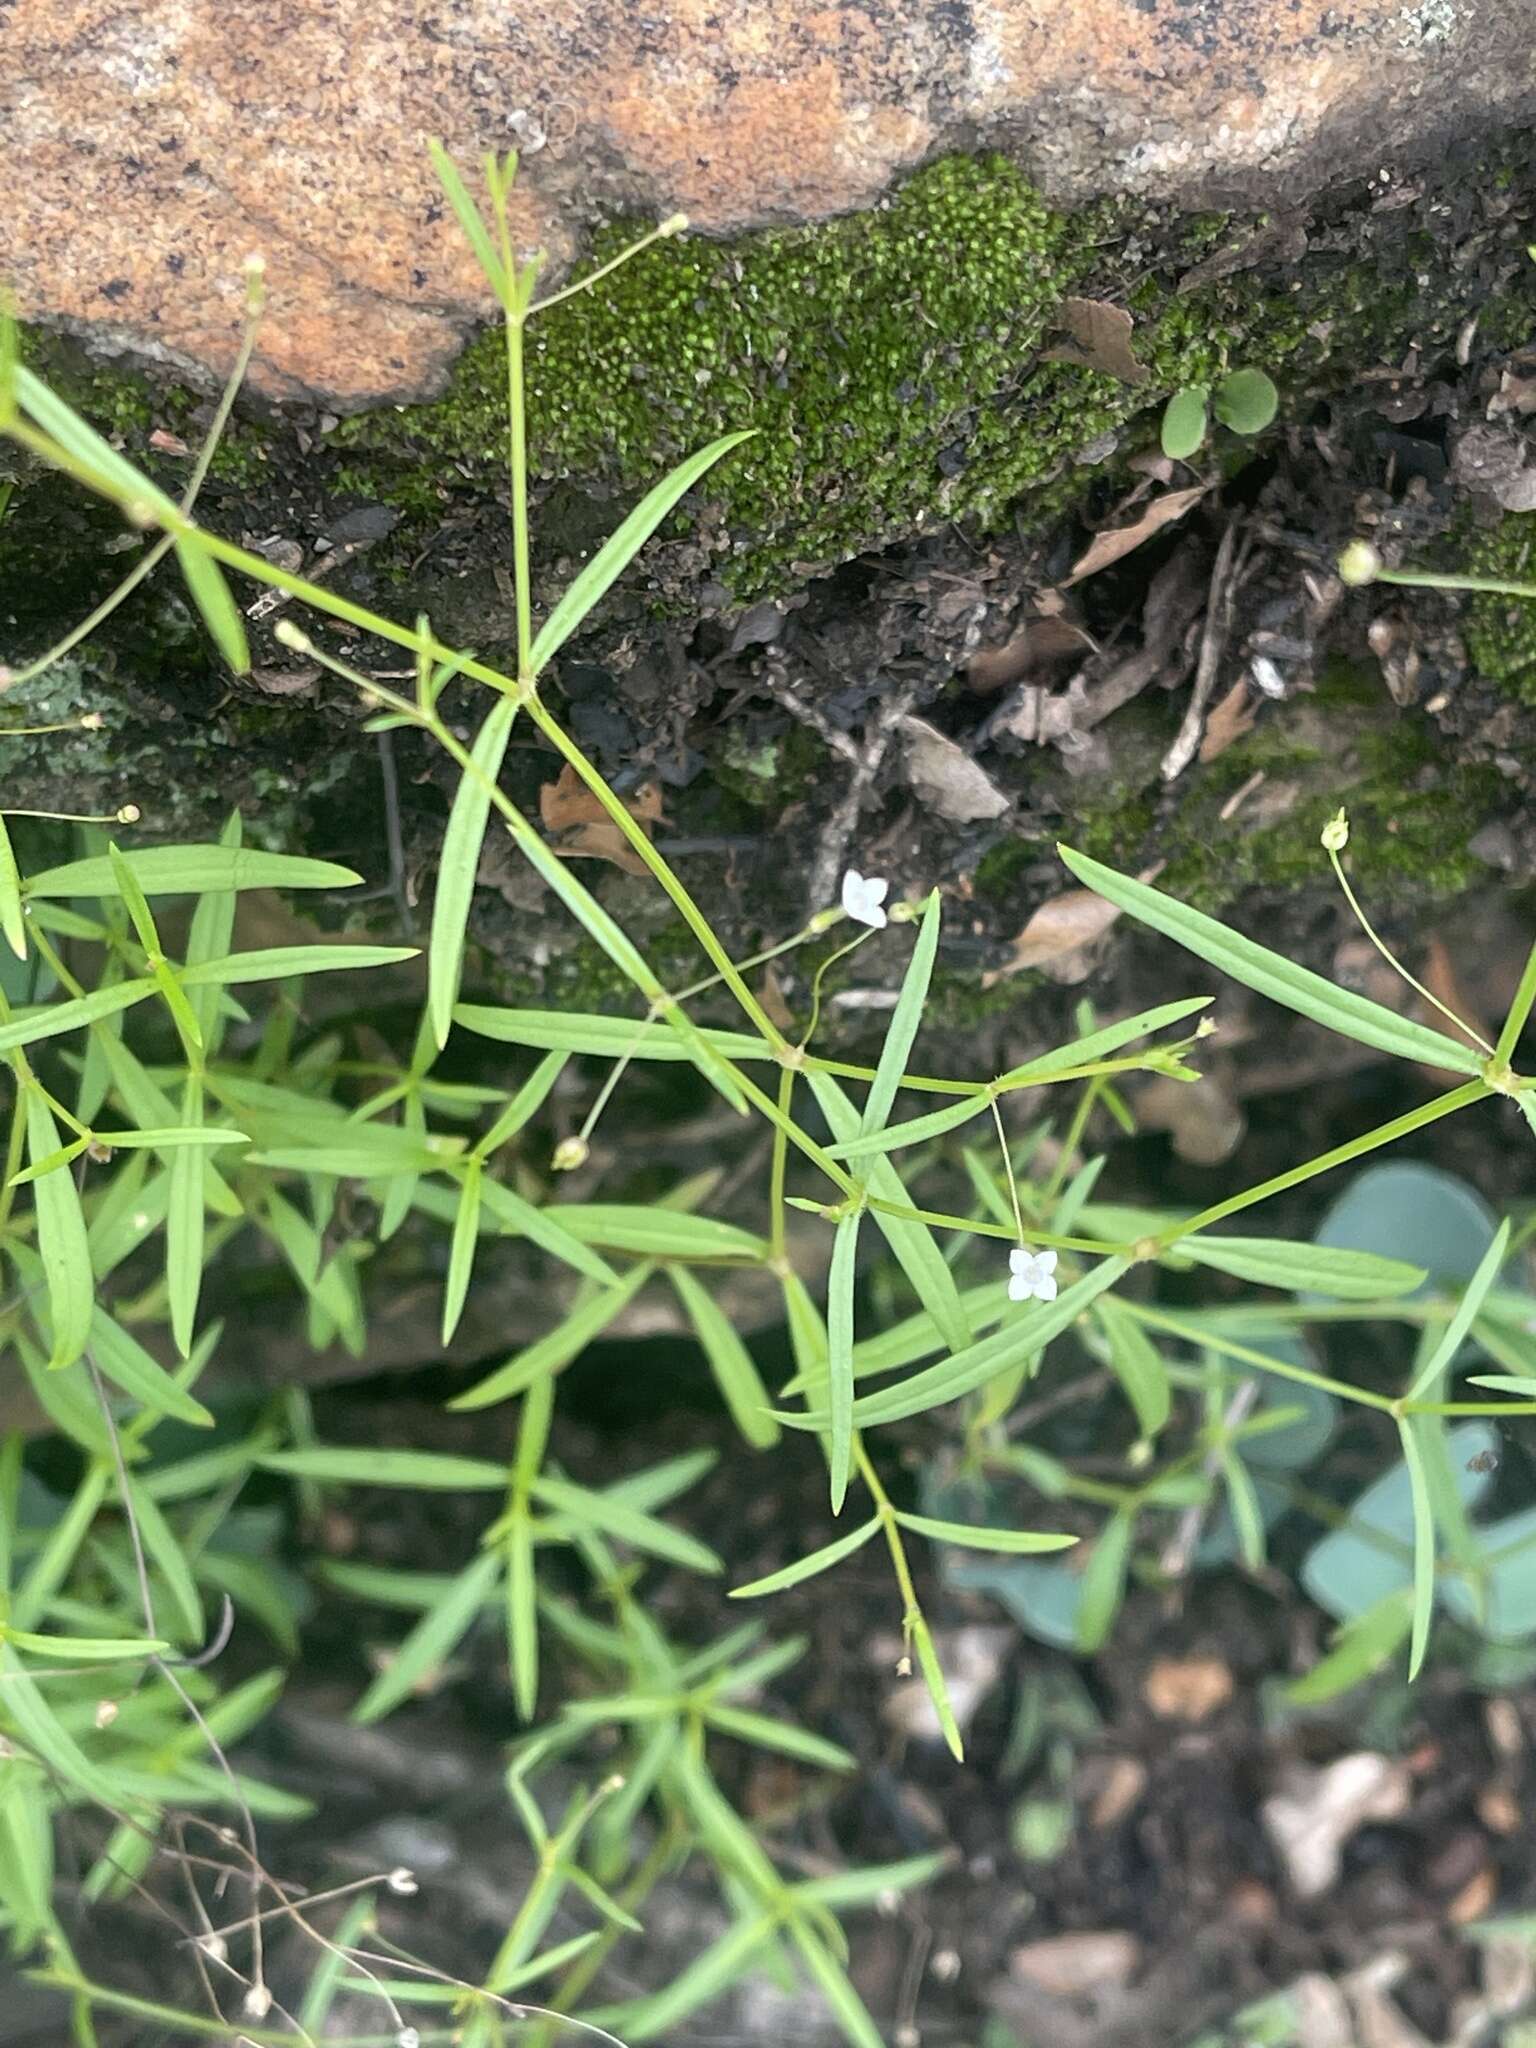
x: 517, y: 462
x: 671, y: 226
x: 1261, y: 1361
x: 777, y: 1214
x: 1519, y: 1011
x: 1013, y: 1186
x: 695, y: 919
x: 1468, y: 1408
x: 911, y: 1611
x: 1384, y: 1134
x: 1394, y: 963
x: 1428, y: 579
x: 1070, y: 1143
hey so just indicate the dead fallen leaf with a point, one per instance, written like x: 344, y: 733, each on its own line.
x: 945, y: 777
x: 1060, y: 935
x: 1440, y: 979
x: 1115, y: 1788
x: 1205, y: 1123
x: 1475, y: 1898
x: 580, y: 829
x: 1230, y: 719
x: 1040, y: 645
x: 1499, y: 1810
x: 1071, y: 1965
x: 1316, y: 1811
x: 1102, y: 333
x: 167, y: 443
x: 1187, y: 1688
x: 770, y: 993
x: 284, y: 682
x: 1118, y: 541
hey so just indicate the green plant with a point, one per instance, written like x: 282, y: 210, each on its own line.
x: 187, y: 1120
x: 1244, y: 400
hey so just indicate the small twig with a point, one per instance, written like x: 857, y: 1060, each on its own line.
x: 1213, y: 645
x: 391, y: 780
x: 832, y: 847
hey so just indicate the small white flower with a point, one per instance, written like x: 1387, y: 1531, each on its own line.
x: 863, y: 896
x: 1031, y: 1276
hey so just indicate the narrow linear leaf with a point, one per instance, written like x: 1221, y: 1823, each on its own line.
x: 1271, y: 974
x: 807, y: 1567
x: 766, y: 1733
x: 468, y: 216
x: 85, y: 1649
x: 461, y: 1255
x: 284, y: 963
x: 1454, y: 1335
x: 168, y: 1559
x: 431, y: 1471
x: 13, y: 922
x: 1021, y: 1337
x: 735, y: 1373
x: 600, y: 1510
x: 1016, y: 1542
x: 459, y: 864
x: 840, y: 1281
x: 555, y: 1350
x: 1322, y: 1269
x: 210, y: 593
x: 1423, y: 1544
x: 1103, y: 1582
x: 24, y: 1706
x: 660, y: 1233
x: 938, y: 1691
x: 191, y: 871
x: 905, y: 1019
x: 1138, y: 1365
x: 29, y: 1026
x: 609, y: 1038
x: 1098, y: 1045
x: 121, y: 1358
x: 515, y: 1217
x: 621, y: 547
x: 61, y: 1239
x: 1361, y: 1647
x: 184, y: 1221
x: 916, y: 1130
x: 1247, y: 1514
x: 432, y: 1641
x: 525, y: 1104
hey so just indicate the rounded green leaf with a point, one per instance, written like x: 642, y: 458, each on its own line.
x: 1246, y: 401
x: 1184, y: 422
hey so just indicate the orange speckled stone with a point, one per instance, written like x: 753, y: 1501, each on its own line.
x: 152, y: 144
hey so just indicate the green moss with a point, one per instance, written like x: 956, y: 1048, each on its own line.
x: 1412, y: 812
x: 1501, y: 631
x: 894, y: 363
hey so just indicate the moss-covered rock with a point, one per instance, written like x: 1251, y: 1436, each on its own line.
x: 1501, y: 631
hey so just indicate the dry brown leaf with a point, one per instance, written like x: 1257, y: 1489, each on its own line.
x: 1058, y: 937
x: 1041, y: 643
x: 1187, y: 1688
x: 1230, y: 719
x: 1440, y: 979
x: 1114, y: 1789
x: 1204, y: 1122
x: 1070, y: 1965
x: 946, y: 778
x: 1102, y: 333
x: 580, y: 829
x: 1118, y: 541
x: 1475, y: 1898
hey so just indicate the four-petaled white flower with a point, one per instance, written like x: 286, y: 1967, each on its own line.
x: 863, y: 896
x: 1032, y: 1275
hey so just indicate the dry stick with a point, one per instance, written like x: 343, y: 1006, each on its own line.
x: 838, y: 830
x: 1213, y: 644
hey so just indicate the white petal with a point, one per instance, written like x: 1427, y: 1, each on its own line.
x: 1045, y: 1262
x: 1046, y: 1288
x: 876, y: 889
x: 1019, y: 1288
x: 1020, y: 1261
x: 853, y: 892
